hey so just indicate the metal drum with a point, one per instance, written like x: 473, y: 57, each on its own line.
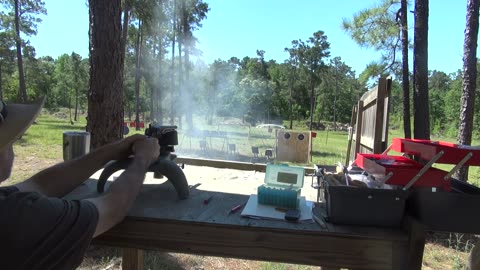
x: 75, y: 144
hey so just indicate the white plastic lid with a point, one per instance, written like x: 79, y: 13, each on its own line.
x: 282, y: 175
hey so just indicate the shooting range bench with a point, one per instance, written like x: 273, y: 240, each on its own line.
x: 160, y: 221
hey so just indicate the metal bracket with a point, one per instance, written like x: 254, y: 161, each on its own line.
x: 457, y: 167
x: 423, y: 170
x: 387, y: 150
x: 384, y: 180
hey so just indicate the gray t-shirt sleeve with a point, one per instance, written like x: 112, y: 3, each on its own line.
x: 39, y: 232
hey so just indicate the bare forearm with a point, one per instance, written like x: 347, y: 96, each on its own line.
x: 115, y: 203
x: 128, y: 185
x: 59, y: 180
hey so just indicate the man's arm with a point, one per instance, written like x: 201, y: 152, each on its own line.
x: 115, y: 203
x: 59, y: 180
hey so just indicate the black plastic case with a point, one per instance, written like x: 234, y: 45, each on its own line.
x: 453, y: 211
x: 365, y: 206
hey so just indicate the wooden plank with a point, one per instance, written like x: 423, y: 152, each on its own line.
x: 375, y: 118
x: 370, y: 96
x: 308, y: 247
x: 379, y: 117
x: 367, y: 142
x: 416, y: 243
x: 227, y: 164
x: 293, y: 149
x: 386, y: 123
x: 350, y: 135
x: 132, y: 259
x: 222, y: 164
x: 358, y: 128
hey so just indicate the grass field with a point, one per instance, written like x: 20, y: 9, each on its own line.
x: 41, y: 147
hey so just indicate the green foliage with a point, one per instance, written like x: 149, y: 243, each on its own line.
x: 29, y: 11
x: 71, y: 82
x: 377, y: 28
x: 255, y: 89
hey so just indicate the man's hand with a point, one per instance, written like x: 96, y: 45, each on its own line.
x: 113, y: 205
x: 146, y: 149
x: 124, y: 148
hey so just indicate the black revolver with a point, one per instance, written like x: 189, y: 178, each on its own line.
x: 164, y: 166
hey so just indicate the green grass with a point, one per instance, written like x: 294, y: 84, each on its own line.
x: 44, y: 138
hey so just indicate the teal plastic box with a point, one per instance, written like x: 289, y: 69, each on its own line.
x: 282, y: 187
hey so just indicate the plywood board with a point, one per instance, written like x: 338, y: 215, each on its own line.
x: 293, y: 149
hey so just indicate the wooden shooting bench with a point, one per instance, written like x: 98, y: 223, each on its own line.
x: 160, y: 221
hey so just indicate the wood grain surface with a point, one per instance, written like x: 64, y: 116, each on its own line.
x: 159, y: 220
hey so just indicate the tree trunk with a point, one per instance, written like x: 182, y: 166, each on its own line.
x: 123, y: 46
x: 188, y: 92
x: 70, y: 108
x: 159, y: 111
x: 1, y: 89
x: 469, y: 80
x: 156, y: 81
x: 152, y: 103
x: 22, y: 94
x: 138, y: 52
x: 126, y: 13
x: 420, y: 69
x: 335, y: 101
x: 105, y: 99
x: 180, y: 89
x: 405, y: 73
x: 76, y: 103
x: 311, y: 102
x: 173, y: 98
x: 291, y: 100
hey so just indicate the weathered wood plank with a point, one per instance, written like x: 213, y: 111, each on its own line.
x: 227, y: 164
x: 379, y: 118
x: 416, y: 243
x: 308, y: 247
x: 370, y: 96
x: 373, y: 119
x: 132, y: 259
x: 358, y: 128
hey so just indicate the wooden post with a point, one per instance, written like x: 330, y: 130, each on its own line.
x: 379, y: 115
x: 132, y: 259
x: 416, y: 243
x: 350, y: 135
x: 358, y: 128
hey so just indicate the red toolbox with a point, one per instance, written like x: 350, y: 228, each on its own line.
x: 426, y: 150
x: 400, y: 171
x: 443, y: 210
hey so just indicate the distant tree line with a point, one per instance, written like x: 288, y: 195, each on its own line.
x: 163, y: 80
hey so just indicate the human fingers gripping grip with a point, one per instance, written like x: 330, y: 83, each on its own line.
x: 157, y: 146
x: 146, y: 148
x: 124, y: 148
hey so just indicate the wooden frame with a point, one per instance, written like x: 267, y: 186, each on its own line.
x: 370, y: 120
x: 334, y: 250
